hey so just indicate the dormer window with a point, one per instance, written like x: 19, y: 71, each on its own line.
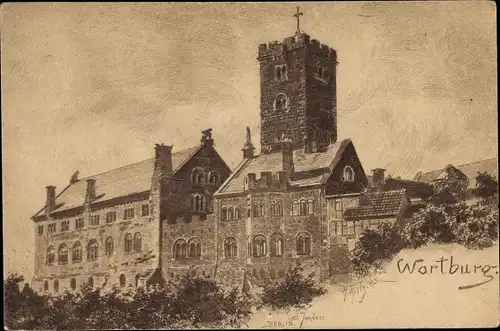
x: 348, y: 174
x: 281, y: 72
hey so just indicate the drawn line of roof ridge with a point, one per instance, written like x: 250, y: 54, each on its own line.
x: 138, y: 162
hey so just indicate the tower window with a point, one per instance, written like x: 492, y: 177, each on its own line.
x: 281, y: 103
x: 281, y: 72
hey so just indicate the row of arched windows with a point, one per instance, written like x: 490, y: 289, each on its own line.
x: 90, y: 282
x: 276, y: 208
x: 321, y: 72
x: 199, y: 177
x: 281, y: 72
x: 189, y: 249
x: 303, y: 207
x: 230, y: 213
x: 258, y: 246
x: 131, y: 243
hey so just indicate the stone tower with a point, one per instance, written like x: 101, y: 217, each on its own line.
x: 297, y: 93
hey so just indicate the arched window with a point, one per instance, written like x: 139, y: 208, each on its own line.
x: 255, y: 210
x: 137, y: 242
x: 123, y: 280
x: 180, y: 249
x: 259, y: 246
x: 201, y: 205
x: 137, y: 277
x: 194, y: 248
x: 325, y: 75
x: 92, y: 250
x: 51, y: 255
x: 91, y: 282
x: 303, y: 242
x: 278, y: 73
x: 277, y: 245
x: 62, y: 253
x: 303, y: 207
x: 230, y: 247
x: 261, y: 206
x: 73, y: 284
x: 237, y: 213
x: 348, y: 174
x: 230, y: 213
x: 284, y: 74
x: 280, y: 103
x: 295, y: 208
x: 223, y: 214
x: 77, y: 252
x: 214, y: 178
x: 279, y: 207
x: 56, y: 285
x: 46, y: 286
x: 109, y: 246
x: 273, y: 208
x: 128, y: 242
x: 310, y: 206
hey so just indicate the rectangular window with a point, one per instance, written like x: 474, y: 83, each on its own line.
x: 64, y: 226
x: 145, y: 210
x: 128, y: 214
x: 79, y: 224
x: 40, y: 230
x: 52, y: 228
x: 350, y: 227
x: 110, y: 216
x: 94, y: 220
x: 177, y: 185
x: 338, y: 210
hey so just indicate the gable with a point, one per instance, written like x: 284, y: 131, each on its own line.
x: 335, y: 183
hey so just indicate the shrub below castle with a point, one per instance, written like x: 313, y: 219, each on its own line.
x: 295, y: 290
x: 194, y: 302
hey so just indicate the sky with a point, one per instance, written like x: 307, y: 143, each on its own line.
x: 94, y: 86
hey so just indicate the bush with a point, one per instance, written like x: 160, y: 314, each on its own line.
x: 375, y: 247
x: 429, y: 225
x: 193, y: 302
x: 486, y: 188
x: 294, y: 290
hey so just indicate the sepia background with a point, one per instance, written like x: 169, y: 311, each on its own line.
x: 92, y: 87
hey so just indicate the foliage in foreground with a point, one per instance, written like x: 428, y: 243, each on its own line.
x: 295, y: 290
x: 193, y: 302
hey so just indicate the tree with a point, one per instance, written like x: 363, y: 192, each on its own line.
x: 447, y: 192
x: 429, y: 225
x: 375, y: 247
x: 486, y: 188
x: 294, y: 290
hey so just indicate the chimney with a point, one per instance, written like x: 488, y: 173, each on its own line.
x: 163, y: 160
x: 74, y: 177
x: 50, y: 202
x: 248, y: 148
x: 314, y: 146
x: 378, y: 176
x: 90, y: 195
x: 267, y: 177
x: 287, y: 161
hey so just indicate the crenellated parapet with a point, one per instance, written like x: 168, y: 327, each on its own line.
x: 268, y: 180
x: 275, y: 48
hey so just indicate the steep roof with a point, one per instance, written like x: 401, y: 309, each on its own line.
x: 310, y: 168
x: 124, y: 181
x: 378, y: 204
x: 413, y: 188
x: 470, y: 170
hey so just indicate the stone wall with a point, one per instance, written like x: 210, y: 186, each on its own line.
x: 120, y: 262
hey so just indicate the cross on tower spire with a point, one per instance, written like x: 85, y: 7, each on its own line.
x: 297, y: 16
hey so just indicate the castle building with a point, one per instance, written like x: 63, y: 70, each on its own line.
x: 109, y: 229
x: 285, y: 205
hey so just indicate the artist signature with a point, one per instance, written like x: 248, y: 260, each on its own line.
x: 295, y: 320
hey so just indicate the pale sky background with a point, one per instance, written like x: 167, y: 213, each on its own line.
x: 94, y: 86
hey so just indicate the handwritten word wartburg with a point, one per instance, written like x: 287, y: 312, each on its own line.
x: 304, y: 199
